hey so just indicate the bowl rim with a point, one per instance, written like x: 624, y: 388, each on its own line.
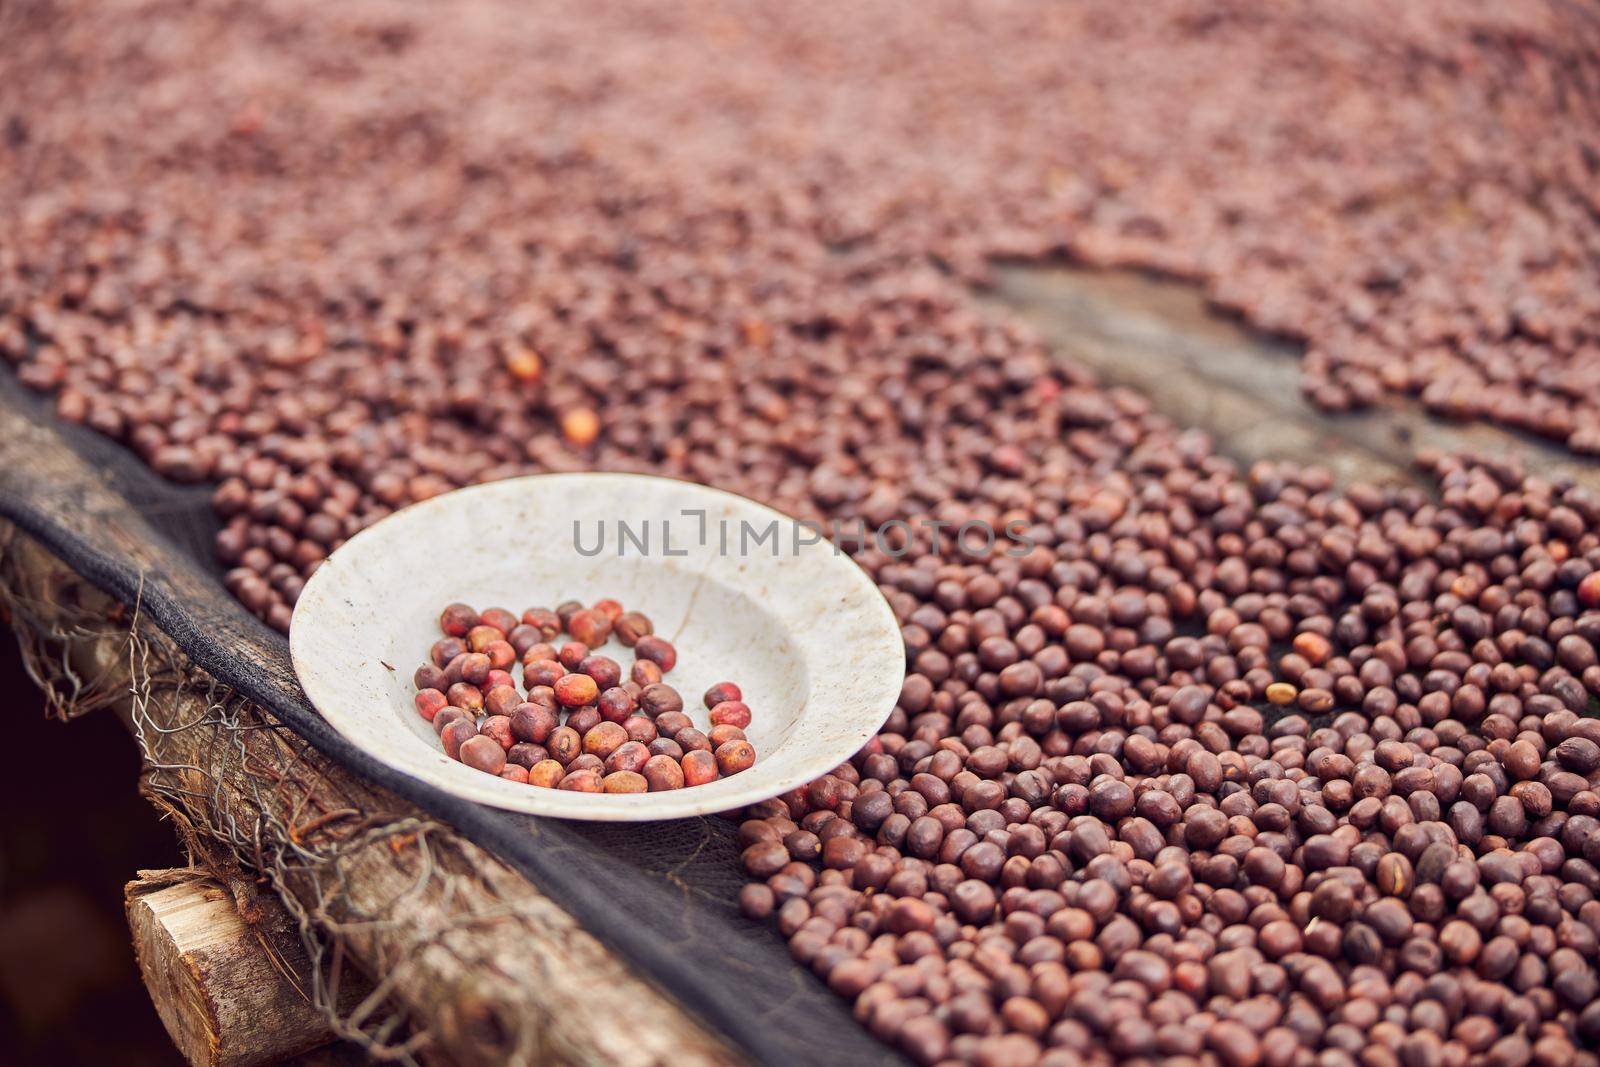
x: 314, y: 608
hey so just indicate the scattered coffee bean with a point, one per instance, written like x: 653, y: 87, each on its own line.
x: 583, y: 781
x: 482, y: 753
x: 624, y: 782
x: 660, y: 699
x: 699, y: 767
x: 658, y: 651
x: 430, y: 702
x: 663, y: 771
x: 721, y: 693
x: 457, y: 620
x: 454, y: 734
x: 576, y: 690
x: 630, y: 627
x: 735, y: 756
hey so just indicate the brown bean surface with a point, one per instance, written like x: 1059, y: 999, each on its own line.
x: 1088, y: 832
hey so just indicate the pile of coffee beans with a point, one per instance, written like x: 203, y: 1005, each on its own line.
x: 576, y: 723
x: 1228, y: 770
x: 1233, y: 767
x: 359, y: 266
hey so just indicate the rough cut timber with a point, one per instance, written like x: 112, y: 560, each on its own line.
x: 484, y: 968
x: 225, y: 990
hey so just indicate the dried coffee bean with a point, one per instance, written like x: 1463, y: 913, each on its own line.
x: 734, y: 756
x: 532, y: 722
x: 660, y: 699
x: 482, y: 753
x: 605, y: 671
x: 756, y: 901
x: 604, y: 738
x: 721, y: 735
x: 481, y: 637
x: 499, y: 618
x: 699, y: 767
x: 545, y: 621
x: 1394, y: 875
x: 543, y: 673
x: 466, y: 696
x: 502, y: 700
x: 669, y: 723
x: 430, y: 702
x: 624, y: 782
x: 525, y: 754
x: 640, y: 729
x: 662, y: 771
x: 564, y: 744
x: 584, y: 719
x: 502, y: 656
x: 657, y: 650
x: 449, y: 715
x: 444, y: 651
x: 457, y: 619
x: 731, y: 713
x: 474, y: 668
x: 582, y: 781
x: 538, y: 653
x: 630, y: 626
x: 591, y: 628
x: 586, y: 762
x: 665, y: 746
x: 576, y: 690
x: 523, y: 637
x: 692, y: 740
x: 721, y: 693
x: 628, y: 756
x: 499, y: 728
x: 455, y: 733
x: 616, y: 704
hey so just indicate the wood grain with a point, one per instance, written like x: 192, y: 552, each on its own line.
x: 1206, y: 372
x: 484, y: 968
x: 223, y: 997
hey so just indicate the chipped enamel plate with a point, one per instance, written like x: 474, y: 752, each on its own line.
x: 744, y: 593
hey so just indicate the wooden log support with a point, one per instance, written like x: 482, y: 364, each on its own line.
x: 227, y: 991
x: 484, y: 968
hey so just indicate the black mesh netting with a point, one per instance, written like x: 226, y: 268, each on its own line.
x: 662, y: 895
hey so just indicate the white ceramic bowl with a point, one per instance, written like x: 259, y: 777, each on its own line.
x: 798, y: 626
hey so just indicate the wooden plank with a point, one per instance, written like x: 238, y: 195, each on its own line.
x: 483, y: 968
x: 228, y: 992
x: 1205, y: 371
